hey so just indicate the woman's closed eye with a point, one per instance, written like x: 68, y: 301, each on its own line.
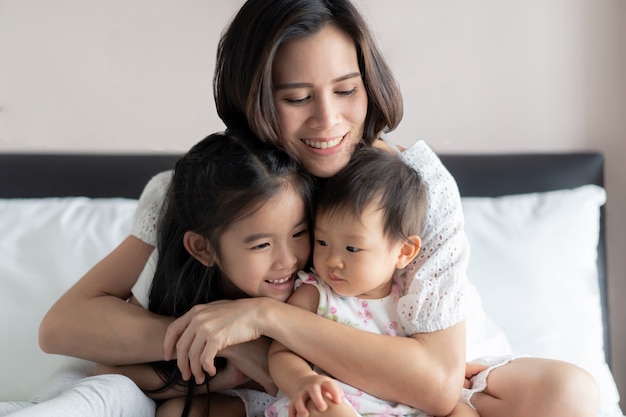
x: 304, y: 100
x: 298, y: 101
x: 346, y: 92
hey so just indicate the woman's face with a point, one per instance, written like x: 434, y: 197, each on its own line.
x: 320, y: 99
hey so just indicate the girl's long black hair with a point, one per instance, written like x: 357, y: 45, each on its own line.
x: 222, y: 179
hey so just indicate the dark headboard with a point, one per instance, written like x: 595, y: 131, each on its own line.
x: 58, y: 175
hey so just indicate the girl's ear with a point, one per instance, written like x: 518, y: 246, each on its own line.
x: 199, y: 248
x: 408, y: 251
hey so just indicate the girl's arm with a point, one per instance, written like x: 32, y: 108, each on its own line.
x: 93, y: 321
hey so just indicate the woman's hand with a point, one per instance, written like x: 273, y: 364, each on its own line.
x: 471, y: 370
x: 196, y: 338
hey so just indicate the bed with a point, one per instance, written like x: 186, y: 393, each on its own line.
x: 60, y: 213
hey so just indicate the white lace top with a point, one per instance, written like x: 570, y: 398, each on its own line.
x: 432, y: 285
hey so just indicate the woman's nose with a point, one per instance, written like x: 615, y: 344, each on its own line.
x: 324, y: 113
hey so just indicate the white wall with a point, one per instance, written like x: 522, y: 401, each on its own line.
x: 477, y: 76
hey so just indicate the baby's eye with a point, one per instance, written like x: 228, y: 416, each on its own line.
x: 322, y: 242
x: 352, y: 249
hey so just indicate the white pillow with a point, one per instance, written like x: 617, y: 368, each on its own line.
x: 533, y: 260
x: 46, y: 245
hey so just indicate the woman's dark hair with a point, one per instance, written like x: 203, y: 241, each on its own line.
x: 377, y: 176
x: 222, y: 179
x: 242, y: 83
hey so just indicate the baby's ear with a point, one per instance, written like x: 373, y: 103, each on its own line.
x: 199, y: 247
x: 408, y: 251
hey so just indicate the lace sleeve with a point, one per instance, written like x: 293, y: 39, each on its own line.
x: 149, y: 208
x: 432, y: 285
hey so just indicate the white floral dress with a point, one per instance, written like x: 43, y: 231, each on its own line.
x: 372, y: 315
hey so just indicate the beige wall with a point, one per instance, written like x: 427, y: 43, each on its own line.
x: 478, y: 76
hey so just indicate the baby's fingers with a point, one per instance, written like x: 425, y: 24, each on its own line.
x: 332, y: 391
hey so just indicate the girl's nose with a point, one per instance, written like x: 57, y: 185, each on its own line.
x: 286, y: 257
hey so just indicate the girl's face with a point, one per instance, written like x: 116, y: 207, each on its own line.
x: 320, y: 99
x: 261, y: 253
x: 353, y: 256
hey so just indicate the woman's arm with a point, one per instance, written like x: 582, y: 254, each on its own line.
x: 425, y: 371
x: 93, y: 321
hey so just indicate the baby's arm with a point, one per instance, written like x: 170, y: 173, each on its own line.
x: 293, y: 375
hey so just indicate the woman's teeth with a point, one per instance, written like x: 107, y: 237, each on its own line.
x: 323, y: 144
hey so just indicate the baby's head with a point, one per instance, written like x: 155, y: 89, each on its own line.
x: 380, y: 178
x: 367, y: 223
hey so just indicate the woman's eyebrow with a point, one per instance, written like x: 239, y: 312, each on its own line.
x: 309, y: 85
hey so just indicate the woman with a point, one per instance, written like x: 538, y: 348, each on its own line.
x: 307, y: 76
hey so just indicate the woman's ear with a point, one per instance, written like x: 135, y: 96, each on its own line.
x: 199, y: 248
x: 408, y: 251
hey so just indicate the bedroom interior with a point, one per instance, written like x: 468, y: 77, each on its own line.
x: 522, y: 78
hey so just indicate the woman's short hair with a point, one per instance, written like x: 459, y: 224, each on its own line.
x: 243, y: 86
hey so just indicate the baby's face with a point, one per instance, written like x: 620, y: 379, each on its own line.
x: 353, y: 256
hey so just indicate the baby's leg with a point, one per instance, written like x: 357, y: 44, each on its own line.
x: 343, y: 409
x: 220, y: 405
x: 97, y: 396
x: 533, y: 387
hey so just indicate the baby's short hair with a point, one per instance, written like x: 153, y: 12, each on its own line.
x: 377, y: 176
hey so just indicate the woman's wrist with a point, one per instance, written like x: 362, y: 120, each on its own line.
x: 268, y: 313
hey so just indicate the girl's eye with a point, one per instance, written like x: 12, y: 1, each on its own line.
x: 346, y: 92
x: 301, y: 233
x: 322, y: 242
x: 352, y: 249
x: 261, y: 246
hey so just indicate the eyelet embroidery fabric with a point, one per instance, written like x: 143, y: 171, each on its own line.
x: 433, y: 283
x: 149, y: 207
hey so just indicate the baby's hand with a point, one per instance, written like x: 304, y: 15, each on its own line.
x: 316, y: 390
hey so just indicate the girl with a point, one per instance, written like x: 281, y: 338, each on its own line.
x: 234, y: 225
x: 367, y: 225
x: 307, y: 76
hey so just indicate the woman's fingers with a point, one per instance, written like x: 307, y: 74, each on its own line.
x: 195, y: 338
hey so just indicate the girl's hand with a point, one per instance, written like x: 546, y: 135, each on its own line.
x: 319, y: 389
x: 195, y: 338
x: 250, y: 359
x: 471, y: 370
